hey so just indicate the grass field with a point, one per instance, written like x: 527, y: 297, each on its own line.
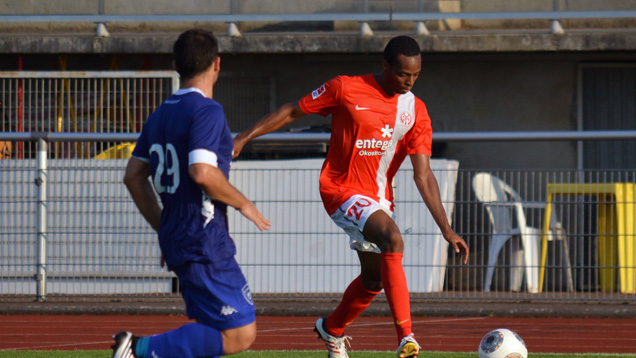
x: 296, y: 354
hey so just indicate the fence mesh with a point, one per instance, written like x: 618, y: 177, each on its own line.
x: 99, y: 245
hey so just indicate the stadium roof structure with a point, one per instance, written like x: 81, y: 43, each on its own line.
x: 539, y: 31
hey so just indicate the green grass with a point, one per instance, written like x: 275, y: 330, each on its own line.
x: 296, y: 354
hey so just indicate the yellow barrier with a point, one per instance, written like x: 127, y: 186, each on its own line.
x: 616, y: 230
x: 120, y: 151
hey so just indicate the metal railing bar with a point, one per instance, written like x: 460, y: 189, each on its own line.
x: 88, y: 74
x: 522, y: 15
x: 206, y: 18
x: 294, y: 137
x: 378, y: 16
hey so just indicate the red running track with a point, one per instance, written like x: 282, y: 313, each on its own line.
x: 459, y: 334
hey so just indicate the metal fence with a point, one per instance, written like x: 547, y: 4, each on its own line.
x: 108, y: 102
x: 79, y: 102
x: 69, y: 229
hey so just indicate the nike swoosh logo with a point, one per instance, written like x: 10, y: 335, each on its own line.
x: 400, y: 323
x: 358, y: 108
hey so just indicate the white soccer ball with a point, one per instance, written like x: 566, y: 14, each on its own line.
x: 502, y: 343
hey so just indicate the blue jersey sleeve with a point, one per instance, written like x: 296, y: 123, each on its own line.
x: 208, y: 128
x: 141, y: 148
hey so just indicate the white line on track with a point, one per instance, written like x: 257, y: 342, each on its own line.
x: 390, y: 322
x: 50, y: 346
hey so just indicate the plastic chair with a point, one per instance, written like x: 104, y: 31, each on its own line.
x: 506, y: 213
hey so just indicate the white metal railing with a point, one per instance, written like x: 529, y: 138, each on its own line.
x: 503, y: 136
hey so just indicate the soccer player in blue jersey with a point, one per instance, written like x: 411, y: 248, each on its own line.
x: 185, y: 148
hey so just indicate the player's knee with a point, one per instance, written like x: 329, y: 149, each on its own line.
x: 247, y: 340
x: 372, y: 284
x: 393, y: 243
x: 239, y: 341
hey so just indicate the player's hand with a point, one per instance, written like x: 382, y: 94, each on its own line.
x: 459, y: 245
x: 250, y: 211
x: 238, y: 146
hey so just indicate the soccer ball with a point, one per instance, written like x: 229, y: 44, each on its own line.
x: 502, y: 343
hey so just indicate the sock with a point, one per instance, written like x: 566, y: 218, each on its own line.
x: 189, y: 341
x: 355, y: 300
x: 397, y: 292
x: 141, y: 347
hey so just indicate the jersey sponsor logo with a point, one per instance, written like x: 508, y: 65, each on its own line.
x: 366, y: 153
x: 358, y: 108
x: 316, y: 93
x: 387, y: 131
x: 406, y: 118
x: 228, y: 310
x: 374, y: 144
x: 382, y: 145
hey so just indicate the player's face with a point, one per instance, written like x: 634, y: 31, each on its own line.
x: 403, y: 73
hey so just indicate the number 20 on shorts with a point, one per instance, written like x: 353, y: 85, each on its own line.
x: 358, y: 208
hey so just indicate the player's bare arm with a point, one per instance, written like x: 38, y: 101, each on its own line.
x: 286, y: 114
x: 141, y: 191
x: 215, y: 184
x: 429, y: 190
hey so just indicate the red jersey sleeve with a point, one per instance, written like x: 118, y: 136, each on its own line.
x: 323, y: 100
x: 420, y: 138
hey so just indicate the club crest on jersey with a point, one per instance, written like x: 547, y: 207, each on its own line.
x: 406, y: 118
x: 247, y: 294
x: 316, y: 93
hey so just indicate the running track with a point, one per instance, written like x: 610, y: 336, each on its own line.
x: 460, y: 334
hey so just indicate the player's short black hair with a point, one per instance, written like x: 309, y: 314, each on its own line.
x: 194, y: 51
x: 400, y: 45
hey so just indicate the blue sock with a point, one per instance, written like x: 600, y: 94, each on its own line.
x: 141, y: 347
x: 189, y: 341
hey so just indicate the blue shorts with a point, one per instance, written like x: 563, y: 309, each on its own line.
x: 216, y: 294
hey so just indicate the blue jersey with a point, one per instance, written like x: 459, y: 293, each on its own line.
x: 188, y: 128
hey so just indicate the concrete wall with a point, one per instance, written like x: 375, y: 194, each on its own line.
x: 462, y: 93
x: 199, y: 7
x: 546, y: 5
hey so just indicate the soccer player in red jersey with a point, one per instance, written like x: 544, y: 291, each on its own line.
x: 376, y: 123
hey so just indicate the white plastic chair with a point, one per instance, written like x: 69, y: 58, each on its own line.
x: 505, y: 209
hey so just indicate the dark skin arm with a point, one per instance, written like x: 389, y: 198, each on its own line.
x: 429, y: 190
x: 286, y: 114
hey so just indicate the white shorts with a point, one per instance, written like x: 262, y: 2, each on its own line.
x: 352, y: 216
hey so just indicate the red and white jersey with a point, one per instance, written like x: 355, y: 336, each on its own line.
x: 371, y: 134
